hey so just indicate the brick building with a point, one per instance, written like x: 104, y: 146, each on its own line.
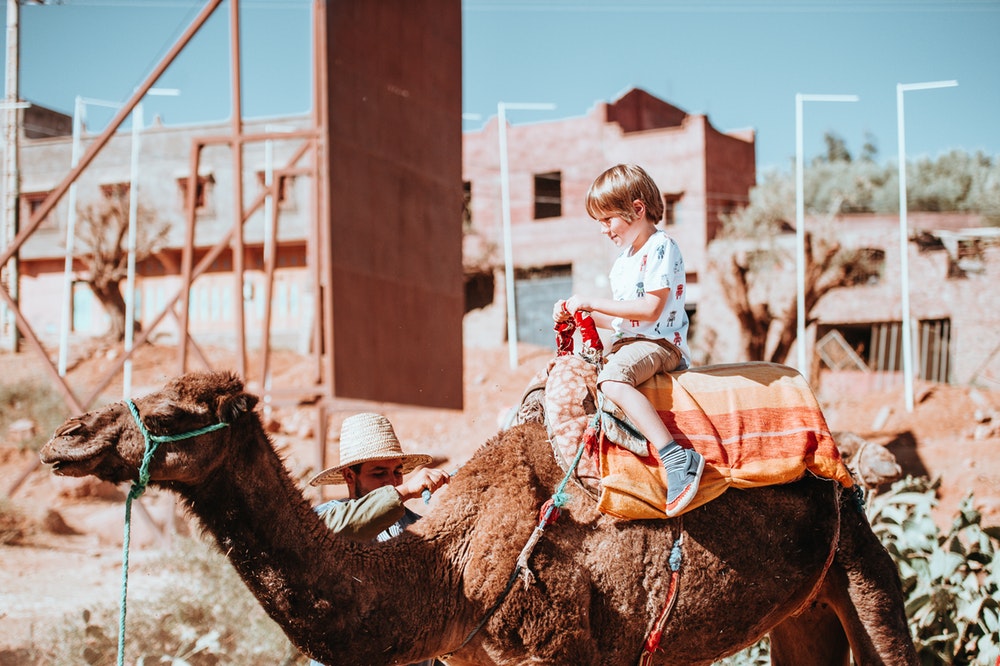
x: 556, y: 248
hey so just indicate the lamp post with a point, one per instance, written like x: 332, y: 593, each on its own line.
x: 79, y: 118
x: 904, y: 261
x: 800, y: 226
x: 502, y: 108
x: 133, y: 213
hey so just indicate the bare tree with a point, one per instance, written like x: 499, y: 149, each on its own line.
x: 747, y: 256
x: 827, y: 266
x: 102, y: 231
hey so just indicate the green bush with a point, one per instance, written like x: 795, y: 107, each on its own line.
x: 36, y: 400
x: 14, y: 524
x: 206, y: 618
x: 951, y: 580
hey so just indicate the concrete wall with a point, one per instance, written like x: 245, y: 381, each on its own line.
x: 935, y: 292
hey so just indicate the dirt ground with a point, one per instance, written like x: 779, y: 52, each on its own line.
x: 68, y: 554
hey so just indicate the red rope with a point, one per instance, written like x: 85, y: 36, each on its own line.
x: 653, y: 639
x: 588, y: 333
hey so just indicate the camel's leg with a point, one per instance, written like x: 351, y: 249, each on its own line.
x: 863, y: 588
x: 814, y: 636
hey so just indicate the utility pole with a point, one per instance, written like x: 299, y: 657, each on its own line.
x: 11, y: 176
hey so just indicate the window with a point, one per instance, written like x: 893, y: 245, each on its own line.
x: 877, y: 346
x: 31, y: 202
x: 548, y: 195
x: 968, y: 257
x: 866, y: 268
x: 117, y: 191
x: 202, y: 192
x: 670, y: 200
x: 466, y: 206
x: 284, y: 184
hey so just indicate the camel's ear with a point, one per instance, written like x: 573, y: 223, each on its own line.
x: 232, y: 407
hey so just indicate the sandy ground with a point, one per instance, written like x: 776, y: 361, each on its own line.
x: 70, y: 554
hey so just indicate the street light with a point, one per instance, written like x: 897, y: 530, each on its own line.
x: 79, y: 117
x: 502, y: 108
x: 133, y: 212
x: 904, y: 260
x: 800, y: 225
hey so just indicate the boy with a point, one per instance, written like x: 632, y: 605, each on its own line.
x: 646, y: 315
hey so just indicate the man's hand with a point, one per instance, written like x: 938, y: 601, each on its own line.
x: 426, y: 478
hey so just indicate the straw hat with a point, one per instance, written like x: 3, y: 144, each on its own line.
x: 363, y: 438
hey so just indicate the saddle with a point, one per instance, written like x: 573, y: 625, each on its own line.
x: 755, y: 423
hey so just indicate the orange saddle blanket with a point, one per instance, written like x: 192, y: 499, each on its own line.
x: 756, y: 424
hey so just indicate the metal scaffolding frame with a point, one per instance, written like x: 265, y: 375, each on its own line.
x: 319, y: 383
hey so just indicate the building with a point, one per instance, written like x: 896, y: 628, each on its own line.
x: 163, y: 168
x: 556, y: 249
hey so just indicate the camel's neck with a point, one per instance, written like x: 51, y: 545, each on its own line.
x: 330, y: 595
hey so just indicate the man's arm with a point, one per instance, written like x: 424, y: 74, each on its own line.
x: 362, y: 519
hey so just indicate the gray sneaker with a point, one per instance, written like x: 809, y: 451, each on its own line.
x: 682, y: 482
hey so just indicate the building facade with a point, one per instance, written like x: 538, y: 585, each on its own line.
x: 555, y: 248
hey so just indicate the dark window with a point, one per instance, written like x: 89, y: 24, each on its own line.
x: 866, y: 268
x: 878, y: 346
x: 548, y: 195
x: 670, y: 200
x: 466, y: 205
x: 117, y: 191
x: 202, y: 192
x: 284, y: 186
x: 31, y: 202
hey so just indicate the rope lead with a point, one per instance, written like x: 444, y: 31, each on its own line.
x: 151, y: 443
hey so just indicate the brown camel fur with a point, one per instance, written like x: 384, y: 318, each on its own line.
x: 798, y: 561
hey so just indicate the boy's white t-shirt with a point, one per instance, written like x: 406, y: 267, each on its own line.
x: 658, y: 265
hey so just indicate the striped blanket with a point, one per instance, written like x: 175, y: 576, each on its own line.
x: 757, y: 424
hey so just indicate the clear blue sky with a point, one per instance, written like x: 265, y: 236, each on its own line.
x: 741, y: 62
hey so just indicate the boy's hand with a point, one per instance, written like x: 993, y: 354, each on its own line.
x: 560, y: 312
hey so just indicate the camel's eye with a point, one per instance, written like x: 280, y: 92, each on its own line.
x: 161, y: 419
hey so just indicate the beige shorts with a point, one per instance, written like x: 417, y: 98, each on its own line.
x: 634, y: 360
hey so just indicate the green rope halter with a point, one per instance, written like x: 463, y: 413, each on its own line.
x: 152, y: 442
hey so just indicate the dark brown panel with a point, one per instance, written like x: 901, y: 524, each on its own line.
x: 395, y: 157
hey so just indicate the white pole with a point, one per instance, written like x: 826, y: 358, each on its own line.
x: 800, y: 242
x: 508, y: 260
x: 505, y: 207
x: 11, y: 176
x: 800, y: 226
x: 79, y: 111
x: 904, y: 259
x: 133, y: 212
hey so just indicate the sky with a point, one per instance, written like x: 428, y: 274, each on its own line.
x: 740, y: 62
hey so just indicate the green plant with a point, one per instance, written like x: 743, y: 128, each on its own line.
x: 951, y: 579
x: 35, y: 400
x: 758, y: 654
x: 204, y: 616
x: 14, y: 524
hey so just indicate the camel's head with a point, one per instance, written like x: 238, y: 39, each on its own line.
x: 109, y: 443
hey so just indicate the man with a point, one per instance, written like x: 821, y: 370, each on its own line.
x: 372, y: 464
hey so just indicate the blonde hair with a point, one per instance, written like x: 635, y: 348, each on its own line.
x: 612, y: 194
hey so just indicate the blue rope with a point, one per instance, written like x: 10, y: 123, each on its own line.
x: 151, y: 442
x: 559, y: 499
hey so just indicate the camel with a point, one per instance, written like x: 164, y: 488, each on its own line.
x: 798, y: 562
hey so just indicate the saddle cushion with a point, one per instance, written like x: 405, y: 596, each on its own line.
x: 756, y: 424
